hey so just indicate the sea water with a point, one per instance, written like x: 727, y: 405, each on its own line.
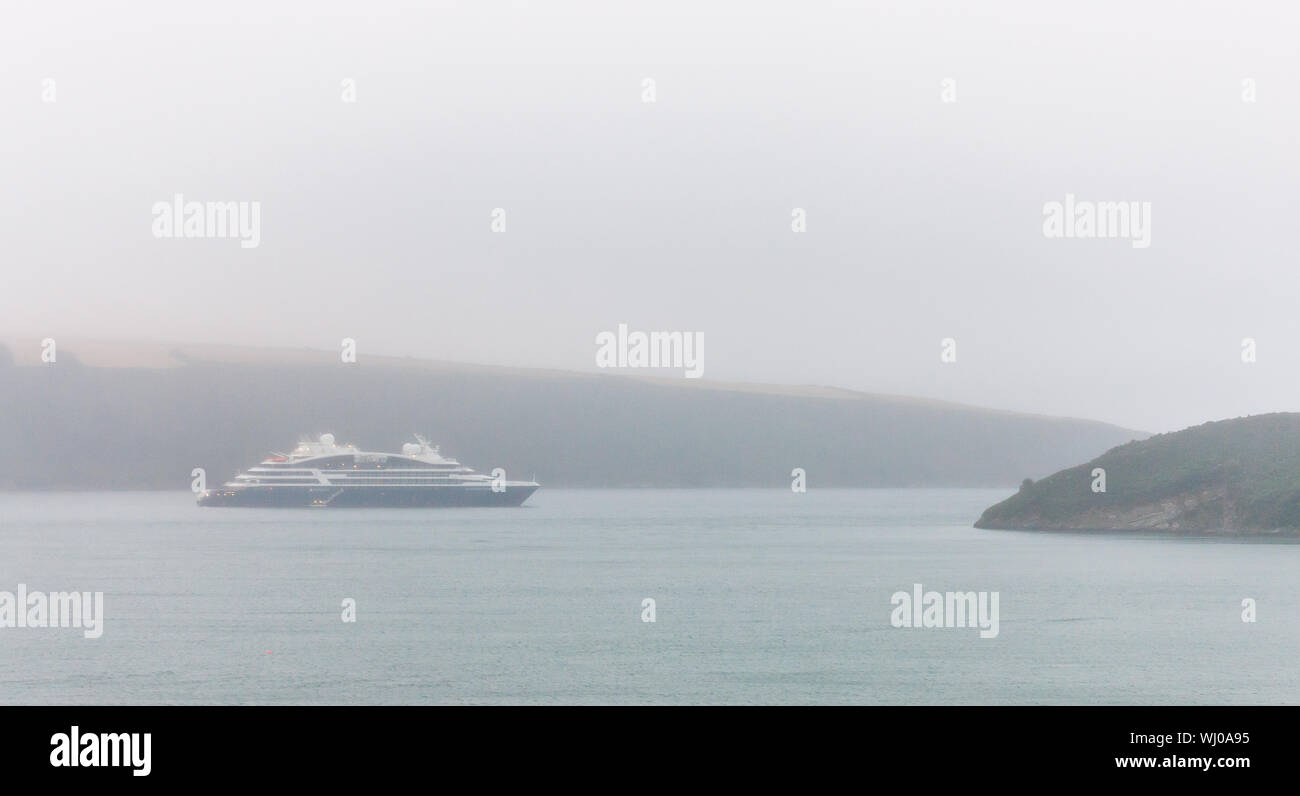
x: 759, y: 596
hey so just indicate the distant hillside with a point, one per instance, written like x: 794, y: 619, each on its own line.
x: 1239, y: 475
x: 143, y: 417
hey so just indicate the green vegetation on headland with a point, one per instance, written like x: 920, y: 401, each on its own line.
x: 1230, y: 476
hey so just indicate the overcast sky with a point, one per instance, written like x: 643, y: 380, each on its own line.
x: 924, y: 217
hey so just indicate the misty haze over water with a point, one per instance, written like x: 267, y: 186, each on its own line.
x: 922, y: 144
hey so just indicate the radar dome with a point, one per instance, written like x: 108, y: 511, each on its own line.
x: 327, y: 439
x: 411, y: 449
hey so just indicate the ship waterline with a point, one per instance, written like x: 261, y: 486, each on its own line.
x: 323, y: 474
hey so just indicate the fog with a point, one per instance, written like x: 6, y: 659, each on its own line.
x: 924, y: 217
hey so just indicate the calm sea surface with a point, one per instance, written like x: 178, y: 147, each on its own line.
x: 760, y: 597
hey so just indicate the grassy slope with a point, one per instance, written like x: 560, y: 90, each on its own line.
x: 82, y: 426
x: 1255, y: 460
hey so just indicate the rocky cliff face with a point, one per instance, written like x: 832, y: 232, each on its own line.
x: 1204, y: 510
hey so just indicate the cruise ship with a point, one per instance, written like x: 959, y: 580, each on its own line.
x: 323, y: 474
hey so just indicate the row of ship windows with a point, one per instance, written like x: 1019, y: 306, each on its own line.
x: 364, y: 471
x: 348, y: 463
x: 352, y: 476
x: 404, y: 480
